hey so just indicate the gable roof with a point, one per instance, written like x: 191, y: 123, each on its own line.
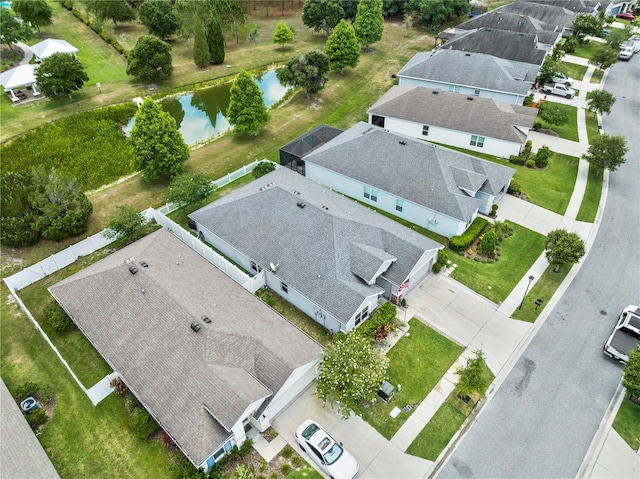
x: 479, y: 116
x: 553, y: 15
x: 415, y: 170
x: 578, y: 6
x: 517, y: 46
x: 48, y: 47
x: 475, y: 70
x: 197, y: 385
x: 502, y: 20
x: 323, y: 248
x: 22, y: 75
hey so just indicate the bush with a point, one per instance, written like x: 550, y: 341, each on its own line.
x: 55, y: 317
x: 494, y: 210
x: 541, y: 158
x: 287, y: 452
x: 536, y: 126
x: 25, y: 390
x: 443, y: 257
x: 488, y: 243
x: 531, y: 163
x: 286, y: 469
x: 528, y: 101
x: 263, y: 168
x: 37, y: 417
x: 385, y: 314
x: 514, y: 188
x: 462, y: 242
x: 437, y: 267
x: 142, y: 423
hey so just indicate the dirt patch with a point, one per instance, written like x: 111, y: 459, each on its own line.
x: 547, y: 131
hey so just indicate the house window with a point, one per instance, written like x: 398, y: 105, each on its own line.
x: 255, y: 267
x: 477, y: 141
x: 399, y: 205
x: 284, y: 287
x: 454, y: 89
x: 377, y: 120
x: 476, y: 92
x: 370, y: 193
x: 362, y: 315
x: 425, y: 130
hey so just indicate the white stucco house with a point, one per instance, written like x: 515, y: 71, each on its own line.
x: 468, y: 73
x: 206, y: 358
x: 326, y: 254
x: 431, y: 186
x: 471, y: 122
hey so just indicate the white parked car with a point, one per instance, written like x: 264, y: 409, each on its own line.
x: 562, y: 78
x: 634, y: 42
x: 328, y: 453
x: 625, y: 53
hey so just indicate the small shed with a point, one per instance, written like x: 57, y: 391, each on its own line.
x: 48, y: 47
x: 292, y: 153
x: 20, y: 76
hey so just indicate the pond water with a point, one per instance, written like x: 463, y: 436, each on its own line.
x: 201, y: 115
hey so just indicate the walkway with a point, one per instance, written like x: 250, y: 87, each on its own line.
x: 28, y: 54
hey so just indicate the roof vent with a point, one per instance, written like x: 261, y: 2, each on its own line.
x: 467, y: 54
x: 195, y: 326
x: 435, y: 92
x: 205, y: 318
x: 144, y: 264
x: 133, y: 269
x: 470, y: 98
x: 325, y: 207
x: 301, y: 204
x: 402, y: 142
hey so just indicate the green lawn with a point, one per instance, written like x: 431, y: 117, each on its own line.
x: 81, y: 440
x: 496, y: 280
x: 586, y: 50
x: 591, y: 198
x: 569, y: 130
x: 305, y: 472
x: 417, y: 362
x: 627, y: 423
x: 592, y: 125
x: 596, y: 76
x: 544, y: 289
x: 573, y: 70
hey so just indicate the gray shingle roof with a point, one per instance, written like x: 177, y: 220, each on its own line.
x: 555, y: 16
x: 141, y: 323
x: 21, y: 455
x: 313, y: 246
x: 414, y: 170
x: 500, y: 20
x: 481, y: 116
x: 517, y: 46
x: 578, y: 6
x: 476, y: 70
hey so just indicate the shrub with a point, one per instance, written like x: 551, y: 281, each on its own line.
x: 286, y: 469
x: 437, y: 267
x: 488, y: 243
x: 494, y: 209
x: 119, y: 386
x: 462, y: 242
x: 263, y: 168
x: 297, y: 461
x: 25, y: 390
x: 56, y: 317
x: 443, y: 257
x: 287, y: 452
x: 528, y: 101
x: 514, y: 188
x: 385, y: 314
x: 531, y: 163
x: 536, y: 126
x: 542, y: 157
x: 37, y: 417
x: 142, y: 423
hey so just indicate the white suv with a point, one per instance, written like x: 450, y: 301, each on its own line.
x: 625, y: 53
x: 562, y: 78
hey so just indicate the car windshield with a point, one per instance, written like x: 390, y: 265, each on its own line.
x: 333, y: 454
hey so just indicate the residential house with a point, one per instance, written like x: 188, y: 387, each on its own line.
x: 560, y: 18
x: 205, y: 357
x: 471, y: 122
x: 429, y: 185
x: 326, y: 254
x: 577, y: 6
x: 476, y: 74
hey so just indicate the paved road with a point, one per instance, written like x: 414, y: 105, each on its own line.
x: 545, y: 414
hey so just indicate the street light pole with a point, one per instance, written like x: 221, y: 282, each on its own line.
x: 531, y: 278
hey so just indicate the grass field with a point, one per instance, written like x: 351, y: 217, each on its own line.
x: 627, y: 423
x: 573, y: 70
x: 544, y: 289
x: 592, y: 125
x: 496, y: 280
x: 568, y: 130
x: 591, y: 199
x: 585, y: 50
x: 597, y: 75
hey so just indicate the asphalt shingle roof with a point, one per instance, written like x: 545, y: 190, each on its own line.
x: 411, y: 169
x: 552, y: 15
x: 480, y: 116
x: 313, y: 246
x: 141, y: 323
x: 501, y: 20
x: 476, y: 70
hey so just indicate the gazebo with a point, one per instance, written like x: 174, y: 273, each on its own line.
x: 21, y: 76
x: 48, y: 47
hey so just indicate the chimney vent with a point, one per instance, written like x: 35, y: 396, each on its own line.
x: 195, y: 326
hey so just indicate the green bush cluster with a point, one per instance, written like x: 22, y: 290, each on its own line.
x: 56, y: 317
x: 441, y: 261
x: 43, y: 393
x: 142, y: 423
x: 37, y: 417
x: 263, y: 168
x: 524, y: 155
x: 514, y: 188
x: 95, y: 26
x: 89, y: 146
x: 541, y: 158
x: 385, y: 314
x: 462, y: 242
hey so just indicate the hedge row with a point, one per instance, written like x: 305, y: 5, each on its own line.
x: 462, y: 242
x: 89, y: 146
x: 384, y: 315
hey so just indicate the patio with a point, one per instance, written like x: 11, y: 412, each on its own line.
x: 20, y: 84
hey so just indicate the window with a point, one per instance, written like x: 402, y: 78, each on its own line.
x: 370, y: 193
x: 455, y: 89
x: 362, y: 315
x: 399, y: 204
x: 377, y: 120
x: 425, y: 130
x: 255, y: 267
x: 476, y: 92
x: 284, y: 287
x: 477, y: 141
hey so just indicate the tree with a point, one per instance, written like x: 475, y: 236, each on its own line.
x: 631, y: 373
x: 548, y: 70
x: 159, y: 18
x: 552, y: 113
x: 322, y: 14
x: 432, y: 12
x: 158, y: 147
x: 541, y: 158
x: 247, y: 111
x: 64, y: 209
x: 600, y: 101
x: 187, y: 188
x: 586, y: 24
x: 12, y: 30
x: 114, y: 10
x: 126, y: 223
x: 563, y: 247
x: 305, y: 71
x: 150, y: 59
x: 369, y: 22
x: 351, y: 371
x: 342, y: 47
x: 282, y: 34
x: 618, y: 36
x: 61, y: 73
x: 201, y: 55
x: 17, y: 214
x: 350, y: 8
x: 215, y: 40
x: 488, y: 242
x: 606, y: 152
x: 471, y: 378
x: 37, y: 13
x: 56, y: 317
x: 603, y: 57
